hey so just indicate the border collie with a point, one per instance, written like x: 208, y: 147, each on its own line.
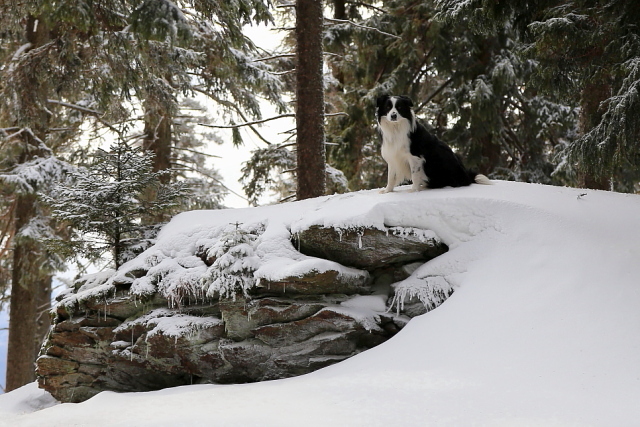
x: 412, y: 153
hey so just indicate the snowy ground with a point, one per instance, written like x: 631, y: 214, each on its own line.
x: 543, y: 329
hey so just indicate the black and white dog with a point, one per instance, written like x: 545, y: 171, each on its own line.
x: 412, y: 153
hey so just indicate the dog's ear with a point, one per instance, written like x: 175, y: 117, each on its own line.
x: 380, y: 101
x: 407, y: 99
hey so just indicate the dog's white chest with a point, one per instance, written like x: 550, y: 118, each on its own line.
x: 396, y: 148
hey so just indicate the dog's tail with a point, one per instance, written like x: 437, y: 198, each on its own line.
x: 479, y: 178
x: 482, y: 179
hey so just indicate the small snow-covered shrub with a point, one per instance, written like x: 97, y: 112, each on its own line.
x: 234, y: 262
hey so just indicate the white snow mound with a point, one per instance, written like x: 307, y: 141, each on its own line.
x: 542, y: 330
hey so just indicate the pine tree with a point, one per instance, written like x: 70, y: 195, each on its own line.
x: 106, y: 202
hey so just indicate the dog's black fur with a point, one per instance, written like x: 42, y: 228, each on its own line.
x: 412, y: 152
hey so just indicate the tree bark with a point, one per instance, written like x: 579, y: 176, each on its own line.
x: 309, y: 100
x: 157, y: 139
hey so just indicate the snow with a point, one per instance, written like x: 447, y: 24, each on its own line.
x: 542, y: 329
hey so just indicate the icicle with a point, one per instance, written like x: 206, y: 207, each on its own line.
x: 359, y: 240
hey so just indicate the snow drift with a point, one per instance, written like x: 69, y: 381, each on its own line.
x: 542, y: 328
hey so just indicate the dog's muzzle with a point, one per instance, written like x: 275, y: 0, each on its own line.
x: 394, y: 117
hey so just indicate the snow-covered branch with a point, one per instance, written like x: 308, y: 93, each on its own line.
x: 84, y: 110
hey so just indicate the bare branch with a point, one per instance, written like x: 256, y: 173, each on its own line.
x: 74, y: 107
x: 281, y: 73
x: 269, y: 58
x: 190, y: 169
x: 256, y: 122
x: 344, y: 21
x: 369, y: 6
x: 234, y: 107
x: 286, y: 199
x: 434, y: 94
x: 290, y: 55
x: 196, y: 152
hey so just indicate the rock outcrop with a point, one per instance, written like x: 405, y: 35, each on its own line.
x: 117, y: 340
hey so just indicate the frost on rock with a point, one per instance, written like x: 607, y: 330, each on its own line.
x: 431, y: 291
x: 422, y: 235
x: 169, y: 323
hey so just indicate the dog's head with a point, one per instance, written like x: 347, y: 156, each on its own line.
x: 394, y: 109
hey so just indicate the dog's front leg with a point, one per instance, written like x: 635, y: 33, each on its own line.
x: 418, y: 177
x: 392, y: 177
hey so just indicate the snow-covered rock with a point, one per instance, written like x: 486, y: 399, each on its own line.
x: 236, y: 302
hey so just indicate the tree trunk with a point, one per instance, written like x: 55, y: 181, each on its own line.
x: 309, y: 100
x: 339, y: 9
x: 157, y: 139
x: 21, y: 349
x: 590, y: 115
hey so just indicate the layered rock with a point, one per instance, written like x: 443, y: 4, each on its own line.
x: 108, y: 338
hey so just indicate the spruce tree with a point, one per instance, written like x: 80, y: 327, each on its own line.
x: 106, y: 202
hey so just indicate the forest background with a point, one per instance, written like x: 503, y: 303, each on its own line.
x: 101, y: 96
